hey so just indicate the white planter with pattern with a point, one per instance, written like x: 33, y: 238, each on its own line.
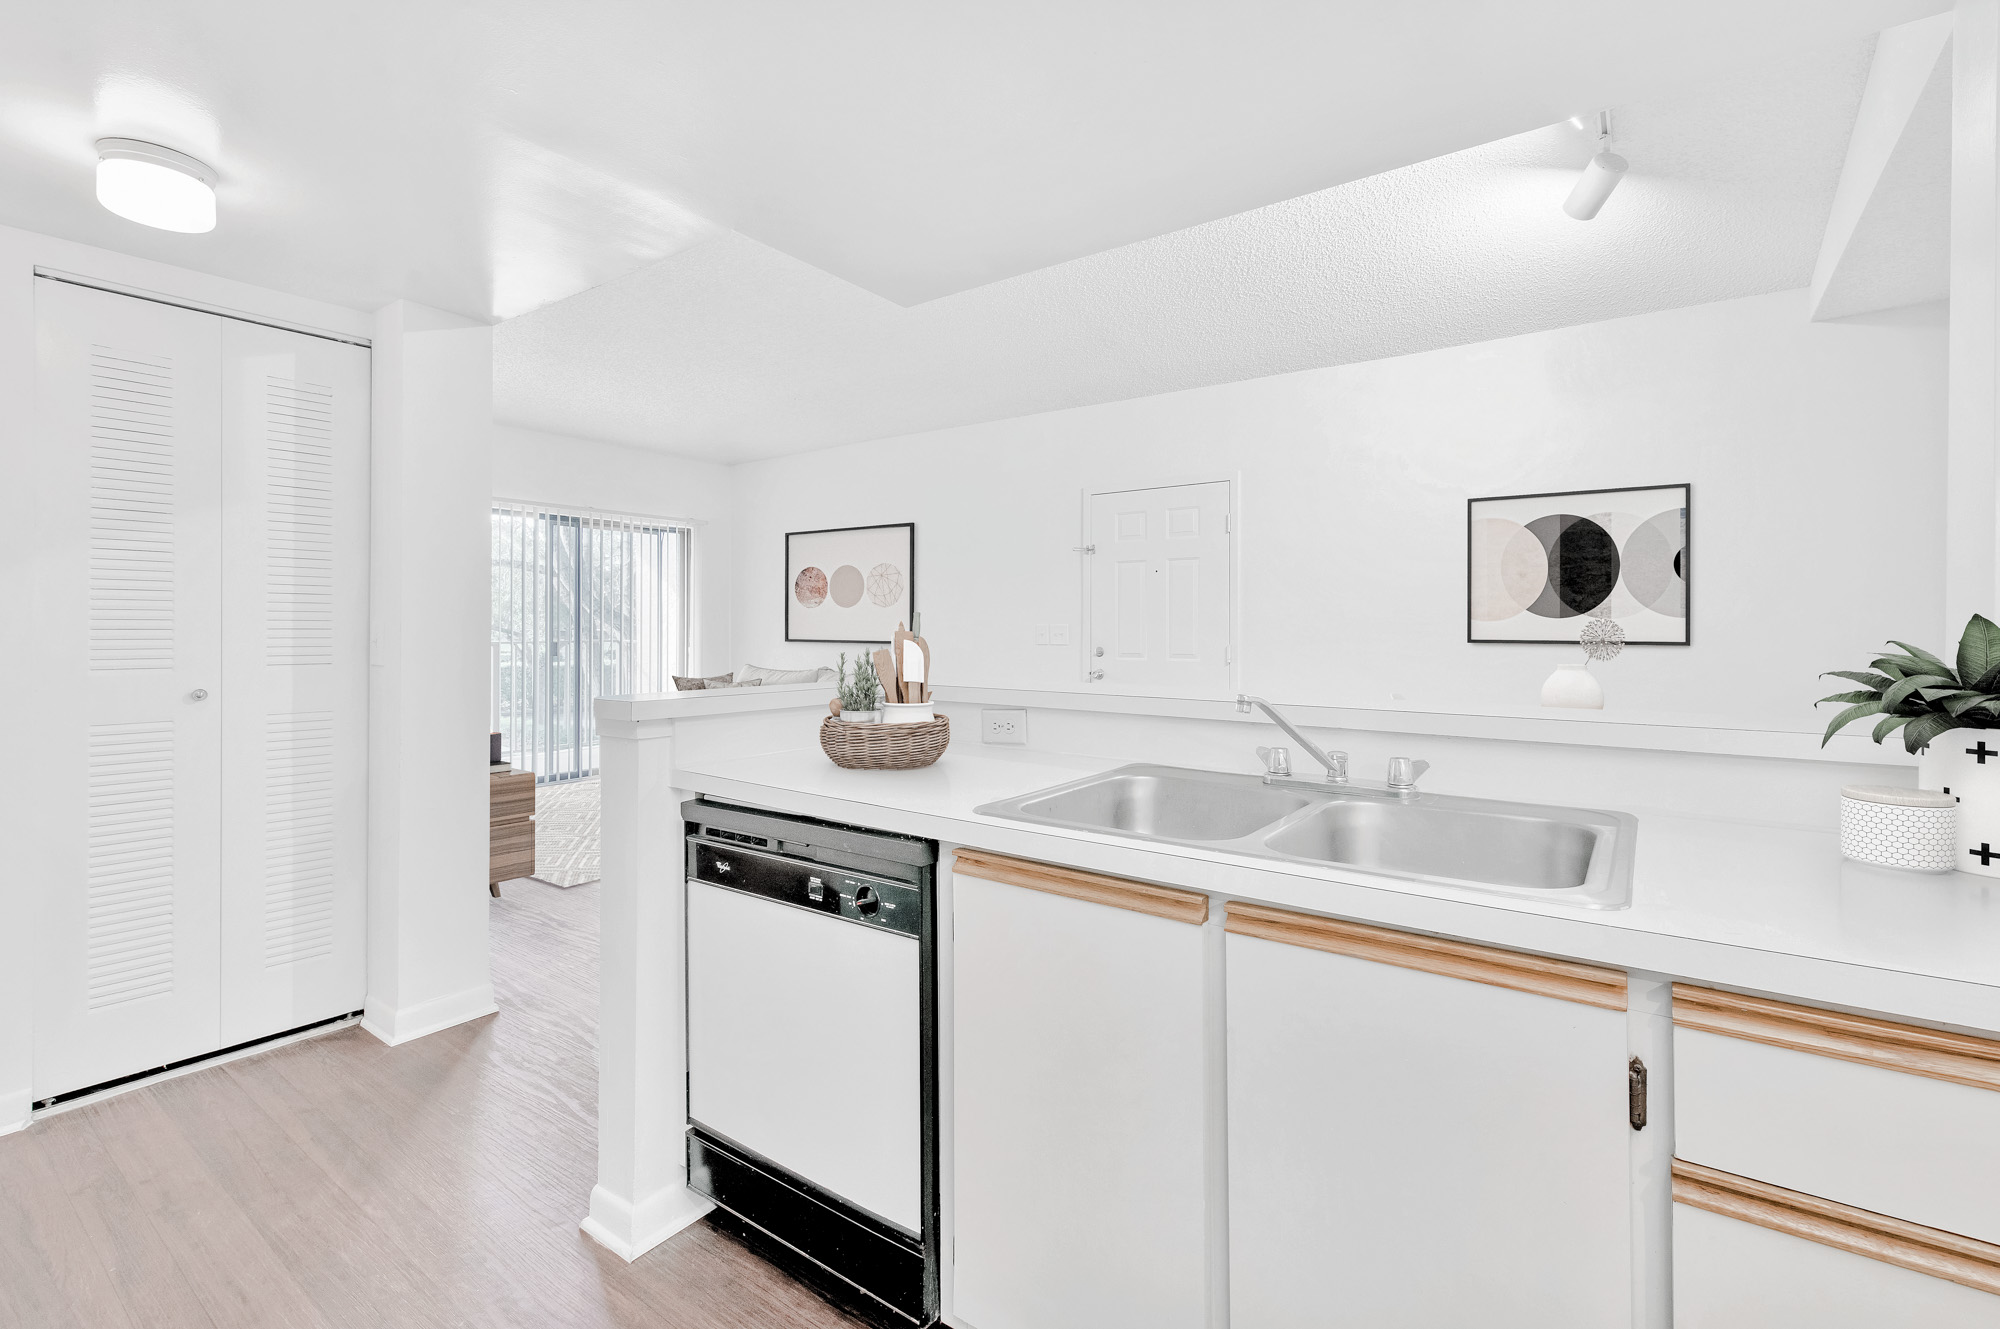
x: 1965, y: 763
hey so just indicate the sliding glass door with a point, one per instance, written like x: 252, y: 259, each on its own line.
x: 585, y: 605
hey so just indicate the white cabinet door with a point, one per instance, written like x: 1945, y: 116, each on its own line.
x: 126, y: 728
x: 1160, y: 588
x: 1078, y: 1118
x: 1735, y: 1275
x: 295, y: 678
x: 1417, y: 1150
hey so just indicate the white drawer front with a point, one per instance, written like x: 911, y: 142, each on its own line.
x: 1735, y: 1275
x: 1905, y: 1145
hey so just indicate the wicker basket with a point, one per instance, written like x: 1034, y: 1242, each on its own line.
x: 884, y: 747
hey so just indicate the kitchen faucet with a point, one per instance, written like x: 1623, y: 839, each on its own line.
x: 1403, y: 771
x: 1335, y: 762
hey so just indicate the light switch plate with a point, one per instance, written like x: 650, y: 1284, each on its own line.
x: 1059, y: 634
x: 1041, y: 634
x: 1004, y: 727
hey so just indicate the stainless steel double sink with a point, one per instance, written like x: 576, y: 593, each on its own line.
x: 1571, y: 855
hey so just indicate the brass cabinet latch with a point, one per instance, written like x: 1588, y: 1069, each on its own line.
x: 1635, y: 1089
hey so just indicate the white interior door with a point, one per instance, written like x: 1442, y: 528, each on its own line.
x: 126, y: 730
x: 1159, y: 590
x: 295, y: 682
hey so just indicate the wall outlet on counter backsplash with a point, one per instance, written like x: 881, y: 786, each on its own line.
x: 1003, y: 727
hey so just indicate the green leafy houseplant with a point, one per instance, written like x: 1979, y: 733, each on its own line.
x: 860, y: 692
x: 1922, y: 695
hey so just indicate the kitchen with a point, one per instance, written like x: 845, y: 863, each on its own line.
x: 1124, y: 630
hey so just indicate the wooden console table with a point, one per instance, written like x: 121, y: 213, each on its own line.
x: 511, y: 827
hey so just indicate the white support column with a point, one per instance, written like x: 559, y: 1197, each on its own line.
x: 641, y: 1197
x: 1971, y: 499
x: 430, y: 628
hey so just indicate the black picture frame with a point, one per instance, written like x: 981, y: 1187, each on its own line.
x: 910, y: 596
x: 1687, y: 560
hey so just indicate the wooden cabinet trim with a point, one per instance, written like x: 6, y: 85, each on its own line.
x: 1957, y: 1058
x: 1095, y: 888
x: 1589, y: 984
x: 1927, y: 1250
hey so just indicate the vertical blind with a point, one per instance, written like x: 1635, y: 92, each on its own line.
x: 585, y: 605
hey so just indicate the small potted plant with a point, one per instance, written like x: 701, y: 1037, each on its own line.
x: 860, y: 700
x: 1920, y: 697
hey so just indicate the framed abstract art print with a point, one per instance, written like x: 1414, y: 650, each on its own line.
x: 1540, y: 566
x: 852, y: 584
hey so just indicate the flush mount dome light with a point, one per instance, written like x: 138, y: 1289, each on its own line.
x: 155, y: 186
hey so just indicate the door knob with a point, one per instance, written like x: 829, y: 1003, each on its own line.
x: 1096, y: 674
x: 199, y: 694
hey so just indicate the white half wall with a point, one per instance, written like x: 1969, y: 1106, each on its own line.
x: 430, y: 623
x: 1815, y: 451
x: 587, y: 473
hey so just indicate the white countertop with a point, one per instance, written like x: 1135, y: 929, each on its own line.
x: 1742, y: 904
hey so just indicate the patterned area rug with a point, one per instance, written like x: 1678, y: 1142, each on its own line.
x: 566, y: 833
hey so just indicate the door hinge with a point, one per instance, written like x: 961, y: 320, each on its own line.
x: 1635, y: 1093
x: 1083, y: 549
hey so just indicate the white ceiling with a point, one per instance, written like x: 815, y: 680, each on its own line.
x: 733, y: 350
x: 488, y: 158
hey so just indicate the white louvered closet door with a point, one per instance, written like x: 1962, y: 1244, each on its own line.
x: 295, y: 644
x: 128, y: 629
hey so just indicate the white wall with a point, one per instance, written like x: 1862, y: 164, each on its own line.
x: 1816, y: 452
x: 20, y: 253
x: 430, y: 619
x: 586, y: 473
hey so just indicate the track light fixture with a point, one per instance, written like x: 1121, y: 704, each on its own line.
x: 1600, y: 176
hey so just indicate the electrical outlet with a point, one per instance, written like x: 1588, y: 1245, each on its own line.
x: 1059, y: 634
x: 1004, y: 727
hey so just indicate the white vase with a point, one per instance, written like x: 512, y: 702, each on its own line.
x: 907, y: 712
x: 1965, y: 763
x: 861, y: 717
x: 1575, y: 686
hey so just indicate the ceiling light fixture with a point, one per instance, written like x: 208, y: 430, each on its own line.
x: 1599, y: 177
x: 155, y: 186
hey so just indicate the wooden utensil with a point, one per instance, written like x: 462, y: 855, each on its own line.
x: 885, y: 673
x: 924, y: 691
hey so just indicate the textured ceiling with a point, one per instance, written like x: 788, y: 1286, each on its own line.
x: 489, y: 158
x: 1900, y: 251
x: 732, y: 350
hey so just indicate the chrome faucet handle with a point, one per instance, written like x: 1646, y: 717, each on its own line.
x: 1277, y: 761
x: 1337, y: 770
x: 1403, y: 772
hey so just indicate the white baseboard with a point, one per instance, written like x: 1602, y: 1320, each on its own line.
x: 629, y: 1231
x: 16, y: 1110
x: 399, y: 1025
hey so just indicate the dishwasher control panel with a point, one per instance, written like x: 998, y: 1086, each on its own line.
x: 858, y: 898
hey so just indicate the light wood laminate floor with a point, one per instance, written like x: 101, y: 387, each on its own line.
x: 340, y: 1183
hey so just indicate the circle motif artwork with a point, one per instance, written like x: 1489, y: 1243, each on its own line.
x: 885, y: 584
x: 809, y: 587
x: 1540, y: 566
x: 845, y: 586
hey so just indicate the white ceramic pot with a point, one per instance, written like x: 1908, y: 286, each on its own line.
x: 1965, y: 763
x: 907, y: 712
x: 1575, y: 686
x: 861, y: 717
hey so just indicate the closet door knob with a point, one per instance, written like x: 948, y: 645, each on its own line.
x: 199, y: 694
